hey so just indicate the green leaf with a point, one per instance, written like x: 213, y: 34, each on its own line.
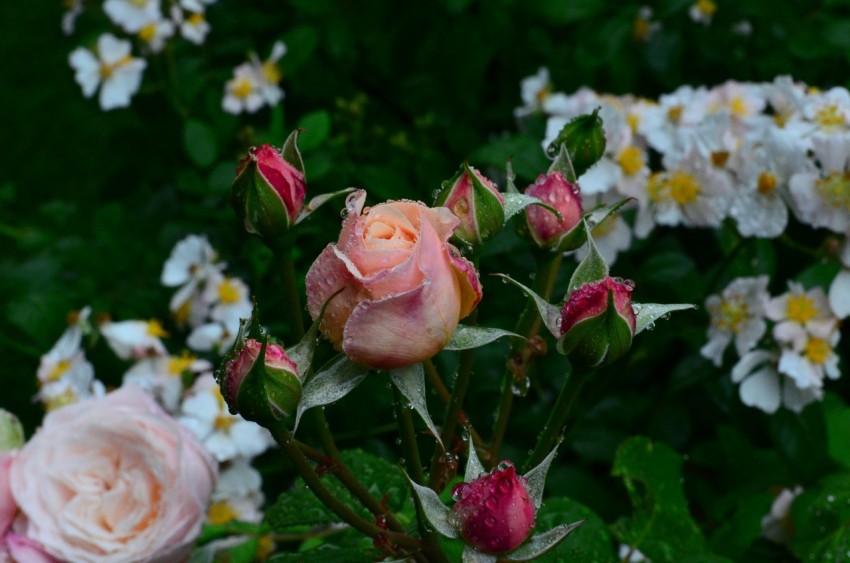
x: 661, y: 526
x: 590, y: 542
x: 821, y: 520
x: 200, y: 143
x: 327, y: 554
x: 466, y: 337
x: 337, y: 379
x: 592, y: 267
x: 516, y: 202
x: 647, y: 313
x: 316, y: 129
x: 410, y: 381
x: 837, y: 420
x: 550, y: 314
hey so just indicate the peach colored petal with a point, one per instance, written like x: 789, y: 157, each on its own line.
x: 328, y: 275
x: 471, y: 291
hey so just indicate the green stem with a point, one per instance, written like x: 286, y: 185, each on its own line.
x: 528, y: 325
x: 557, y: 419
x: 413, y: 463
x: 290, y: 290
x: 296, y: 456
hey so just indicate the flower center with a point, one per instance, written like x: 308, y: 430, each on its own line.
x: 835, y: 190
x: 155, y: 329
x: 271, y: 72
x: 738, y: 107
x: 630, y: 160
x: 641, y: 28
x: 139, y: 3
x: 675, y: 113
x: 221, y: 513
x: 707, y: 7
x: 228, y: 292
x: 766, y: 183
x: 633, y: 121
x: 195, y: 19
x: 731, y: 314
x: 801, y: 308
x: 817, y: 350
x: 148, y: 33
x: 829, y: 116
x: 59, y: 369
x: 223, y: 422
x: 604, y: 228
x: 242, y: 87
x: 679, y: 187
x: 181, y: 315
x: 179, y: 364
x: 107, y: 70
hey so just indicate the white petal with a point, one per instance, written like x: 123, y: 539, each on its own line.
x: 839, y: 294
x: 761, y: 390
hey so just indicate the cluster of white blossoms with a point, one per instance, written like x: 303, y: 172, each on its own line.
x: 790, y: 366
x: 207, y: 304
x: 760, y: 155
x: 110, y: 68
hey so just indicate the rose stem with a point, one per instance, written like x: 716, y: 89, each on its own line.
x: 414, y: 467
x: 445, y: 396
x: 557, y: 418
x: 344, y: 476
x: 320, y: 422
x: 455, y: 404
x: 296, y: 456
x: 528, y: 325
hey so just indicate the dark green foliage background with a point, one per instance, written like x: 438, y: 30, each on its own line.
x: 394, y: 96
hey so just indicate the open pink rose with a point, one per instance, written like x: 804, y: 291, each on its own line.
x: 113, y: 479
x: 404, y: 287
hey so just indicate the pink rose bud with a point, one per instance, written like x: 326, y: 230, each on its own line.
x: 260, y: 391
x: 494, y: 513
x: 399, y: 288
x: 476, y: 201
x: 543, y: 226
x: 598, y: 322
x: 269, y: 189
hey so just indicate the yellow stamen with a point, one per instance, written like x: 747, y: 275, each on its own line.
x: 228, y: 292
x: 604, y: 228
x: 60, y: 368
x: 271, y: 72
x: 835, y: 190
x: 106, y: 69
x: 221, y: 512
x: 181, y: 315
x: 707, y: 7
x: 641, y: 29
x: 242, y: 87
x: 766, y: 183
x: 631, y: 160
x: 155, y: 329
x: 801, y: 308
x: 817, y: 350
x: 223, y: 422
x: 195, y: 19
x: 675, y: 113
x: 829, y: 116
x: 678, y: 186
x: 738, y: 107
x: 177, y: 365
x: 148, y: 33
x: 730, y: 314
x: 633, y: 120
x: 67, y: 397
x: 543, y: 93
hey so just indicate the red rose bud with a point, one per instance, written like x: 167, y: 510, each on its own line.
x: 598, y: 322
x: 493, y: 513
x: 260, y: 391
x: 543, y: 226
x: 476, y: 201
x: 269, y: 189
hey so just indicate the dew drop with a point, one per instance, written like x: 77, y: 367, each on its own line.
x: 459, y: 491
x: 520, y: 388
x: 504, y: 465
x: 490, y: 521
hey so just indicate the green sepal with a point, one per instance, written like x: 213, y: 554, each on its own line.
x: 319, y: 201
x: 584, y: 140
x: 597, y: 340
x: 291, y: 154
x: 258, y: 205
x: 592, y: 268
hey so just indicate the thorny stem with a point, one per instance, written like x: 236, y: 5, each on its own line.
x: 452, y: 414
x: 521, y: 353
x: 445, y: 396
x: 413, y: 463
x: 557, y: 418
x: 296, y: 456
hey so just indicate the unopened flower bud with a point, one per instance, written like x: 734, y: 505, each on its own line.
x: 543, y: 226
x: 262, y: 391
x: 598, y: 322
x: 269, y: 190
x: 476, y: 201
x: 494, y: 513
x: 584, y: 138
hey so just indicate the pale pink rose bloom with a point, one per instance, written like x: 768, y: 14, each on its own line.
x: 113, y: 479
x: 404, y: 288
